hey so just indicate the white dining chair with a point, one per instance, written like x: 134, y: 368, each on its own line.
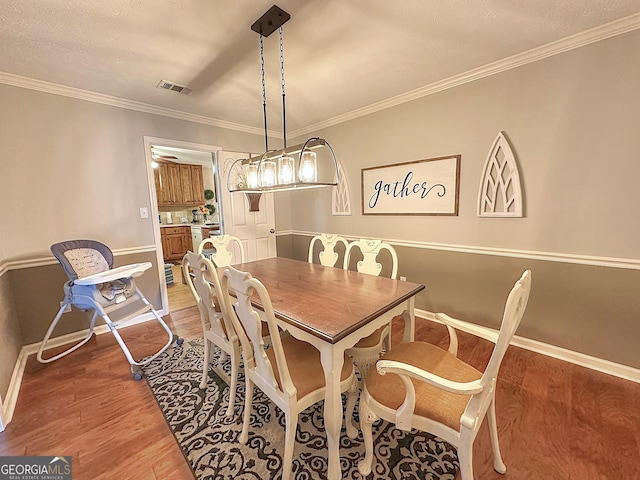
x: 217, y: 328
x: 288, y: 371
x: 328, y: 255
x: 419, y: 386
x: 367, y: 351
x: 228, y: 250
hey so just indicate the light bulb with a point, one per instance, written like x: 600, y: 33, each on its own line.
x: 251, y: 172
x: 286, y: 166
x: 267, y: 173
x: 308, y: 167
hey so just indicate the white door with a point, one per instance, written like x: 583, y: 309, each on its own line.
x: 256, y: 230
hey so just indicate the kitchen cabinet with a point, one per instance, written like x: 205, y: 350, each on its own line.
x: 179, y: 184
x: 167, y: 179
x: 208, y: 231
x: 176, y: 241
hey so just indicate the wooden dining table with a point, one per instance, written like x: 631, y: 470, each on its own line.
x: 332, y: 309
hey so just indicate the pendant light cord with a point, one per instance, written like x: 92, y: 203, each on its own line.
x: 264, y: 95
x: 284, y: 112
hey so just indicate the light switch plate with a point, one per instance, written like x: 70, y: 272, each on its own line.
x: 144, y: 212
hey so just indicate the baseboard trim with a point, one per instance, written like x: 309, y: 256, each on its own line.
x: 11, y: 399
x: 598, y: 364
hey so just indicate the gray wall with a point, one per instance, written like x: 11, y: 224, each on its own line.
x: 48, y: 280
x: 587, y: 309
x: 572, y: 121
x: 10, y: 340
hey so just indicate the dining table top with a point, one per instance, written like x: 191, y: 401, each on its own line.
x: 327, y: 302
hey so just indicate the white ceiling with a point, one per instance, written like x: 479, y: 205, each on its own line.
x: 340, y: 56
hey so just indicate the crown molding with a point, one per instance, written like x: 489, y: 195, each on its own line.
x: 572, y: 42
x: 72, y: 92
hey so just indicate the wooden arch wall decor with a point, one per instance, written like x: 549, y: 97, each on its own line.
x: 340, y: 203
x: 500, y: 192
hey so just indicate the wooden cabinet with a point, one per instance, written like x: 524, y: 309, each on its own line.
x: 179, y: 184
x: 198, y: 185
x: 176, y: 241
x: 208, y: 231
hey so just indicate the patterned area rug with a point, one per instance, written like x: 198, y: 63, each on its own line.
x: 209, y: 440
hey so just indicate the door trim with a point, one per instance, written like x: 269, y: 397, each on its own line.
x: 153, y: 200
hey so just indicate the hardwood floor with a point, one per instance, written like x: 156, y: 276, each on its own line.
x: 555, y: 420
x: 179, y: 295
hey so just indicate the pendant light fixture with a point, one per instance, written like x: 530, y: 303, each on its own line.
x: 290, y: 168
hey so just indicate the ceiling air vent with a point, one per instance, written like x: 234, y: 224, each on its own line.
x: 174, y: 87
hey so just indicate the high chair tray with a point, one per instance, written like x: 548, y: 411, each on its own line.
x: 126, y: 271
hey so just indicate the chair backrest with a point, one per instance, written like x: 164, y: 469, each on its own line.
x: 327, y: 256
x: 513, y: 312
x: 224, y: 246
x: 370, y: 250
x: 248, y: 323
x: 203, y: 282
x: 81, y: 258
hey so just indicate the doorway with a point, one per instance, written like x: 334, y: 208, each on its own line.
x: 175, y: 220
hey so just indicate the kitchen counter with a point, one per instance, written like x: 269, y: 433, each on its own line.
x: 215, y: 226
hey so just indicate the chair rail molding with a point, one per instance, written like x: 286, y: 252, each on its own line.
x: 51, y: 260
x: 594, y: 260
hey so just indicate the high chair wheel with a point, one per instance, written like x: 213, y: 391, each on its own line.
x: 179, y: 341
x: 136, y: 373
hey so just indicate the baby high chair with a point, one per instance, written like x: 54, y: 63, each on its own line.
x: 95, y: 285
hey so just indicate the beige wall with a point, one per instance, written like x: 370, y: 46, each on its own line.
x: 79, y: 169
x: 572, y: 121
x: 74, y: 169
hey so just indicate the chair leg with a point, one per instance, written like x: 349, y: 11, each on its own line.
x: 498, y: 464
x: 248, y: 401
x: 205, y: 367
x: 352, y: 429
x: 235, y: 359
x: 291, y: 424
x: 43, y: 345
x: 465, y: 454
x: 367, y: 417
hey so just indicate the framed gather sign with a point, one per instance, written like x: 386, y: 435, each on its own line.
x: 421, y: 187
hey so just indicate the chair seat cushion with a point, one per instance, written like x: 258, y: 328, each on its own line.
x: 304, y: 365
x: 431, y: 402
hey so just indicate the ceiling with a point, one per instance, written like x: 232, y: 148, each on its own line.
x: 341, y: 57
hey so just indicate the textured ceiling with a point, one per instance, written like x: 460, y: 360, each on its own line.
x: 340, y: 56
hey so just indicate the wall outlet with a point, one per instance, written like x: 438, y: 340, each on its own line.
x: 403, y: 279
x: 67, y: 308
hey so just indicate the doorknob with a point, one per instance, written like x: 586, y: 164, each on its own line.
x: 272, y: 231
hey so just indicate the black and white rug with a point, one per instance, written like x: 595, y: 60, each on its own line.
x: 209, y: 440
